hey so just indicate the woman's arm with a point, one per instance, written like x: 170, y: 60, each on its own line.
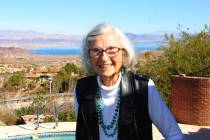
x: 161, y: 115
x: 76, y: 105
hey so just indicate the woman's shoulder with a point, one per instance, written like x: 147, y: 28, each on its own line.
x: 140, y: 76
x: 87, y: 79
x: 85, y: 84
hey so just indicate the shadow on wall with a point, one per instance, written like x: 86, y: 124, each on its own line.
x: 201, y: 134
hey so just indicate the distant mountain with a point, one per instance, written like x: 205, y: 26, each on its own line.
x: 14, y: 50
x: 145, y: 37
x: 151, y: 37
x: 30, y: 34
x: 176, y: 34
x: 30, y: 38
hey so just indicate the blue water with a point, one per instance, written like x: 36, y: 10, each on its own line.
x: 56, y: 51
x: 59, y: 138
x: 74, y: 50
x: 46, y: 136
x: 145, y: 46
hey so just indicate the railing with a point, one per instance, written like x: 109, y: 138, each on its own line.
x: 55, y: 115
x: 37, y: 108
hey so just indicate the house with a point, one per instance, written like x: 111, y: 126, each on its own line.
x: 43, y: 72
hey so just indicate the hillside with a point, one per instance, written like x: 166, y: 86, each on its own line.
x: 20, y: 56
x: 14, y: 50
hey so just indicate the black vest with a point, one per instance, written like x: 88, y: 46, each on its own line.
x: 134, y: 122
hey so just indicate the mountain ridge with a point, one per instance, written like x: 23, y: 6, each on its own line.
x: 26, y: 38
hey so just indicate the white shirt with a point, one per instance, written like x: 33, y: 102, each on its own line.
x: 158, y: 111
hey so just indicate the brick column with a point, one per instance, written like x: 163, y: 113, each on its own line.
x: 190, y: 99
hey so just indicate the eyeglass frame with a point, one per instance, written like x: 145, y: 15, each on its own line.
x: 101, y: 50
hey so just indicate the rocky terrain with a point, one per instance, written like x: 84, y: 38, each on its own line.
x: 12, y: 55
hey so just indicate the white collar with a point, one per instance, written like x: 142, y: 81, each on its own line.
x: 108, y: 88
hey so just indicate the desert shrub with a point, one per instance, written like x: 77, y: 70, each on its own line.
x: 38, y: 99
x: 25, y: 111
x: 49, y: 119
x: 65, y: 115
x: 28, y: 111
x: 7, y: 117
x: 189, y: 55
x: 15, y: 81
x: 66, y: 78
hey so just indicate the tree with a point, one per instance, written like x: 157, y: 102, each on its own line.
x: 15, y: 81
x: 66, y: 78
x: 38, y: 99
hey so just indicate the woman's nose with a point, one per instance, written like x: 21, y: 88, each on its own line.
x: 104, y: 56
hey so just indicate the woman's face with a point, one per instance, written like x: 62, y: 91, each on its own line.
x: 109, y: 61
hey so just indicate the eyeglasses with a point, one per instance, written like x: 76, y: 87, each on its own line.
x: 110, y: 51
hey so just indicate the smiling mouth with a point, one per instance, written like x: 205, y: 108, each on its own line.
x: 104, y: 66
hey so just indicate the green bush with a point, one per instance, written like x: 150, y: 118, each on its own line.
x: 63, y: 116
x: 25, y: 111
x: 15, y: 81
x: 28, y: 111
x: 66, y: 78
x: 189, y: 55
x: 38, y: 99
x: 49, y: 119
x: 67, y: 116
x: 72, y: 116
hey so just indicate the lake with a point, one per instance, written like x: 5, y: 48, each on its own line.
x: 75, y: 49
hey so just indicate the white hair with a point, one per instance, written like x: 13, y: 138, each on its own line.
x: 101, y: 29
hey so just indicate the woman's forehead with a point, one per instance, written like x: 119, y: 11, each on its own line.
x: 108, y: 39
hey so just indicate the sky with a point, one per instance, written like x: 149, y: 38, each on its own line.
x: 77, y: 17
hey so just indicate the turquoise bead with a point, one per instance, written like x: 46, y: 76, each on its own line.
x: 110, y: 129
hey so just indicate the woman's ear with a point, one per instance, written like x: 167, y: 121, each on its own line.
x: 125, y: 54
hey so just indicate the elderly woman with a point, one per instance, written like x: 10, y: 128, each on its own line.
x: 115, y: 103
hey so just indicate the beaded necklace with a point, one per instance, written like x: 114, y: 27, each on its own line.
x: 111, y: 128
